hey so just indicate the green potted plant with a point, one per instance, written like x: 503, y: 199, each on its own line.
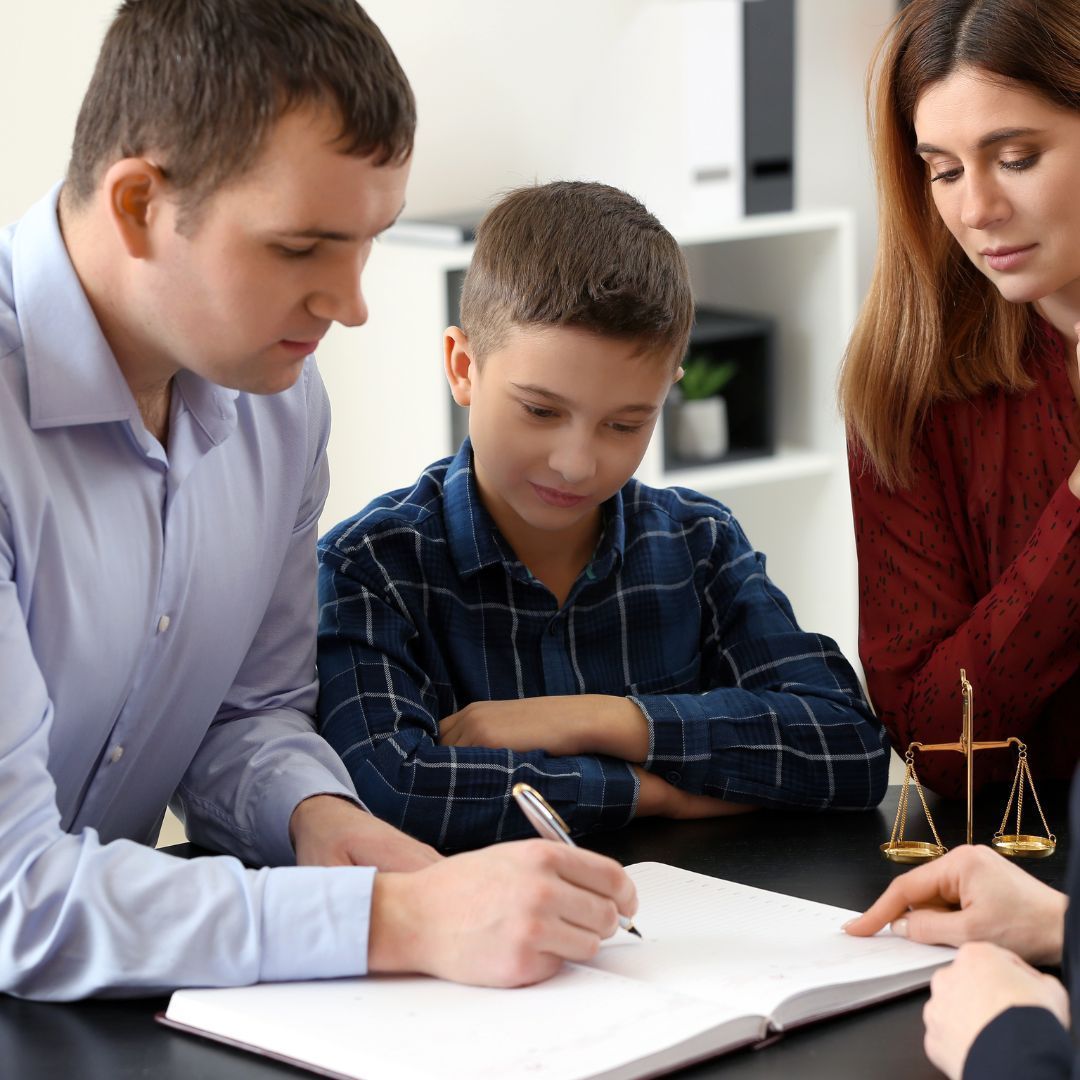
x: 701, y: 426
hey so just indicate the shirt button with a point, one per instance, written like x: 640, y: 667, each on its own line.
x: 163, y: 624
x: 116, y: 755
x: 673, y: 777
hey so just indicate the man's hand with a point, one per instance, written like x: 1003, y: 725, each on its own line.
x: 658, y: 798
x: 972, y: 894
x: 982, y: 982
x: 327, y: 830
x: 561, y: 725
x: 507, y: 915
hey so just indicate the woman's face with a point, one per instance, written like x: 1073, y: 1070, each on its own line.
x: 1003, y: 166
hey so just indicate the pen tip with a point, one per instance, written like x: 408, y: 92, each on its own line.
x: 634, y: 930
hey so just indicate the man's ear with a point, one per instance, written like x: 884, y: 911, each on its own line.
x: 133, y: 191
x: 459, y: 364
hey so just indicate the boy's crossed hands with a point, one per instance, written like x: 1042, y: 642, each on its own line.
x: 571, y: 724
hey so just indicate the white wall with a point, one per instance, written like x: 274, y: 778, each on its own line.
x: 49, y: 52
x: 499, y: 85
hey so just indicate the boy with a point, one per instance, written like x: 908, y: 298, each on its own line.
x: 162, y: 467
x: 527, y: 611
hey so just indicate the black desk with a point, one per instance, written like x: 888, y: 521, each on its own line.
x: 831, y: 858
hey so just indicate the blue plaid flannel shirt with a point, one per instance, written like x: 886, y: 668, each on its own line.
x: 424, y: 608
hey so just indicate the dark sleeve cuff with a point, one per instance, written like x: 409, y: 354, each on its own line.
x: 1022, y: 1042
x: 607, y: 794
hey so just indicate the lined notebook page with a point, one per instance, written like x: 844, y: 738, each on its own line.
x: 581, y: 1023
x: 713, y: 953
x: 745, y: 948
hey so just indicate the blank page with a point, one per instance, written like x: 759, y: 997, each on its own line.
x: 748, y: 949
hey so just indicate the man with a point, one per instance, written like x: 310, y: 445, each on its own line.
x: 162, y: 469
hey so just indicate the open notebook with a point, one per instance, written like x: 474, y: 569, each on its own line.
x: 720, y: 965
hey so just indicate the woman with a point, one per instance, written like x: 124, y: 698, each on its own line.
x: 960, y: 385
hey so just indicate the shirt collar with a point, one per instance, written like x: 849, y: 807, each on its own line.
x: 474, y: 538
x: 470, y: 530
x: 72, y: 375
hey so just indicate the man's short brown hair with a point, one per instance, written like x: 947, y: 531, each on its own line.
x: 577, y: 254
x: 201, y: 82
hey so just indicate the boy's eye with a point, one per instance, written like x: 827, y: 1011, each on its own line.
x: 540, y: 412
x: 626, y: 429
x: 294, y: 253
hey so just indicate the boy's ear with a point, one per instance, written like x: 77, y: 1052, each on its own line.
x: 133, y: 190
x: 679, y: 373
x: 459, y: 365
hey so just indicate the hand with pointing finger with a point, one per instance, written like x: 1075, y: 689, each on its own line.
x: 972, y: 894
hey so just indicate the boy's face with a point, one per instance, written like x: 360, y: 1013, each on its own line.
x: 559, y: 419
x: 274, y: 257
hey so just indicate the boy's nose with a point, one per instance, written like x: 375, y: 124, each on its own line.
x: 574, y: 462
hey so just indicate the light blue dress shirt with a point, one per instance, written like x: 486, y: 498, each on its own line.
x: 157, y: 642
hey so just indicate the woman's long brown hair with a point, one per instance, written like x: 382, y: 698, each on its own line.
x: 932, y: 327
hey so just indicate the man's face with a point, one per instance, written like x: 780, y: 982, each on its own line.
x: 274, y: 257
x: 559, y: 419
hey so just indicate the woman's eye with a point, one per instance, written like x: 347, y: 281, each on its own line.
x: 1020, y: 164
x: 947, y: 176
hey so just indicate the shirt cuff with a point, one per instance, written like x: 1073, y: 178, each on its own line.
x: 679, y: 738
x: 607, y: 794
x: 1023, y: 1041
x: 315, y: 922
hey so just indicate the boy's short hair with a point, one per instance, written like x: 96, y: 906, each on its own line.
x: 576, y: 254
x: 201, y: 82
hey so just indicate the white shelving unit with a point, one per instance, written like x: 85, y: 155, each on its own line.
x: 392, y: 410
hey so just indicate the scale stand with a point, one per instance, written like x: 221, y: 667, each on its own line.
x: 1016, y: 844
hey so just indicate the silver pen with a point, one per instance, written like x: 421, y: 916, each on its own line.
x: 550, y: 826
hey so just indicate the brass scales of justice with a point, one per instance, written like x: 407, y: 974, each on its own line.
x: 1016, y: 844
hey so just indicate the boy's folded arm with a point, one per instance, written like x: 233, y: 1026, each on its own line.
x: 559, y: 724
x: 793, y: 743
x: 781, y: 718
x: 379, y: 710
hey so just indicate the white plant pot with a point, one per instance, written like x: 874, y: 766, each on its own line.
x: 701, y: 429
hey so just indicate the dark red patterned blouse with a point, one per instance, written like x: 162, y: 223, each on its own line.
x: 977, y: 566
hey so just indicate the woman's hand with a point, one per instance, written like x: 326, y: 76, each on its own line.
x: 972, y: 894
x: 980, y: 984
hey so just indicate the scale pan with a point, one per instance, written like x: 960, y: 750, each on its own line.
x: 1024, y: 845
x: 911, y: 851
